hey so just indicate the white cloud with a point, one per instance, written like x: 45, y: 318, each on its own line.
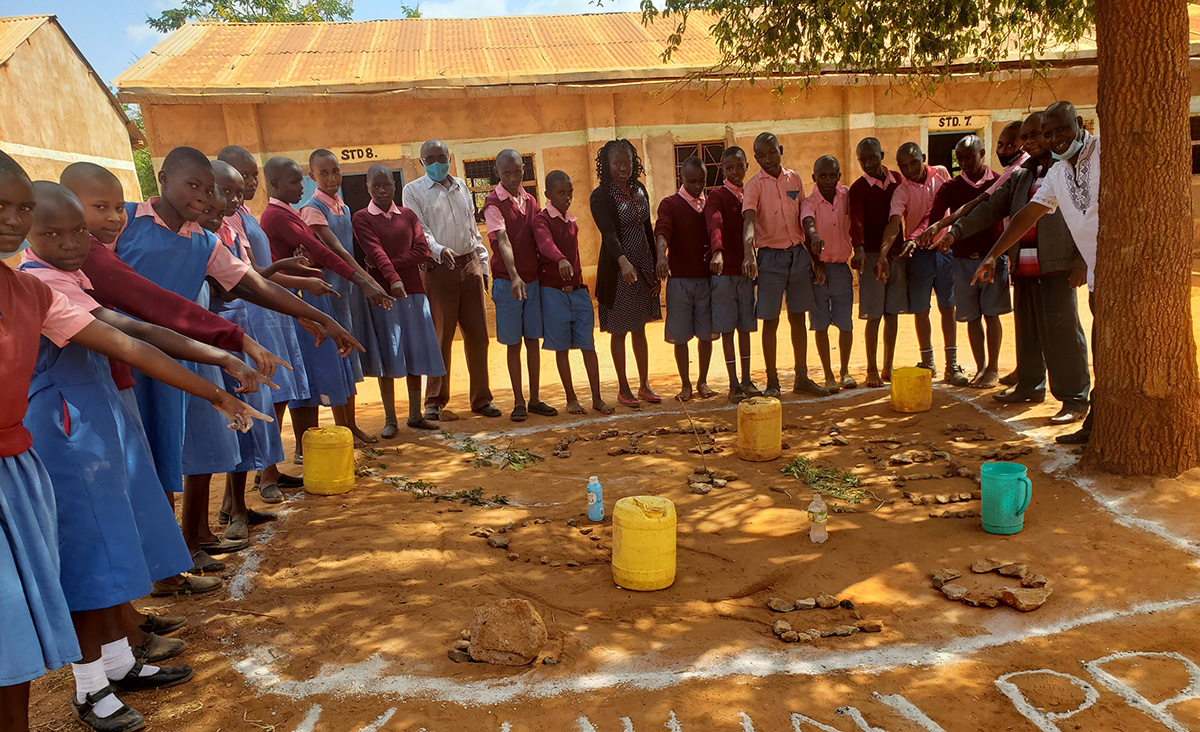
x: 575, y: 7
x: 142, y: 34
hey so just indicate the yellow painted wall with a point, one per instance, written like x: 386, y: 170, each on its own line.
x: 54, y: 113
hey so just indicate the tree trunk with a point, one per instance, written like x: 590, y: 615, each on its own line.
x: 1147, y: 396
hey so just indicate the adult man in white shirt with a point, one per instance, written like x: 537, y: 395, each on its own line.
x: 455, y: 277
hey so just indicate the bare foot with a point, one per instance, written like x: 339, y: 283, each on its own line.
x: 684, y: 395
x: 985, y: 379
x: 832, y: 385
x: 874, y: 380
x: 704, y: 391
x: 574, y: 407
x: 886, y: 375
x: 362, y: 438
x: 602, y: 406
x: 848, y: 382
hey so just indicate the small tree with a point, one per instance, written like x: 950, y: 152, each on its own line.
x: 1147, y: 393
x: 141, y: 156
x: 251, y: 11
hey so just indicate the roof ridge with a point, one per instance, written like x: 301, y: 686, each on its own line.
x: 238, y: 24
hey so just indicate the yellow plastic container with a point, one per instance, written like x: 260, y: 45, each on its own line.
x: 328, y: 461
x: 643, y: 543
x: 760, y: 429
x: 912, y: 389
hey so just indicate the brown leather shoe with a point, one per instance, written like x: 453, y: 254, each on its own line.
x: 156, y: 648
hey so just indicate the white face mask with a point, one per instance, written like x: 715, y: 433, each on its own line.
x: 1070, y: 153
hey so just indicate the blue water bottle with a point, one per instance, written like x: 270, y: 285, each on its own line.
x: 595, y: 496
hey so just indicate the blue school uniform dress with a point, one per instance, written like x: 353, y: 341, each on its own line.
x: 187, y: 436
x: 352, y: 310
x: 35, y: 625
x: 279, y: 333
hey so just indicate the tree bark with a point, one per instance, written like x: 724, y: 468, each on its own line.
x: 1147, y: 395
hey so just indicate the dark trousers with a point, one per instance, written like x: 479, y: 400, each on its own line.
x: 456, y: 300
x: 1050, y: 339
x: 1087, y: 422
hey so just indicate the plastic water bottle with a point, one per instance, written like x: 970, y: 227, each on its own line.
x: 818, y: 517
x: 595, y: 496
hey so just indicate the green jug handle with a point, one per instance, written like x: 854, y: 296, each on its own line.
x: 1028, y: 484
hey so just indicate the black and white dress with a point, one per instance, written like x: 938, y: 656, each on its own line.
x: 636, y: 304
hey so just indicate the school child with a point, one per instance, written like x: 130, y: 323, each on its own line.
x: 732, y: 290
x: 878, y: 299
x: 825, y: 215
x: 776, y: 255
x: 394, y: 245
x: 928, y: 270
x: 682, y: 240
x: 329, y: 218
x: 77, y: 420
x: 508, y: 212
x: 982, y: 302
x: 567, y: 318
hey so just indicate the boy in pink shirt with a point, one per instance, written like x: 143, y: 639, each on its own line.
x: 776, y: 255
x: 825, y: 215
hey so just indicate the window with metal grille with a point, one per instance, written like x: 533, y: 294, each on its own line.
x: 710, y: 153
x: 481, y: 179
x: 1195, y: 145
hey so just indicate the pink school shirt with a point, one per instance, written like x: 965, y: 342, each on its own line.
x: 312, y: 216
x: 70, y: 285
x: 494, y: 220
x: 912, y: 201
x: 776, y: 202
x: 229, y: 236
x: 222, y: 266
x: 832, y: 221
x: 696, y: 203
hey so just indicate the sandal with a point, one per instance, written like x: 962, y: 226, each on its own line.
x: 254, y: 517
x: 389, y: 431
x: 649, y: 396
x: 156, y: 648
x: 270, y: 493
x: 124, y: 719
x: 544, y: 409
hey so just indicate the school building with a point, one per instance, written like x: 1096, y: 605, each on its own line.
x: 555, y: 88
x: 56, y: 109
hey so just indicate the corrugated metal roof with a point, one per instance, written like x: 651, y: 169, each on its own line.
x: 291, y: 59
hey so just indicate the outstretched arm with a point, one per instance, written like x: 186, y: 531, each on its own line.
x: 253, y: 288
x: 1021, y: 222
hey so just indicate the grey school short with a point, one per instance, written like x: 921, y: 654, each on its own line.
x: 780, y: 272
x: 929, y: 271
x: 875, y: 298
x: 972, y: 302
x: 689, y: 310
x: 835, y: 298
x: 733, y: 304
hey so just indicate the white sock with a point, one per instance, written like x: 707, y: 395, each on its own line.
x: 90, y: 678
x: 118, y: 660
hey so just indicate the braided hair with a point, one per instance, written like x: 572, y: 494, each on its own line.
x: 607, y: 151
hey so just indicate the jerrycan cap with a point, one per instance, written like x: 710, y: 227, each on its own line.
x: 652, y: 505
x: 593, y: 479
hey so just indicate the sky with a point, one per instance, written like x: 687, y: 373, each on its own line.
x: 116, y: 36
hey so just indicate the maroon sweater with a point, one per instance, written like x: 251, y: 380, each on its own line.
x: 557, y: 239
x: 687, y: 237
x: 288, y: 232
x: 869, y: 211
x: 519, y: 227
x: 723, y: 218
x: 116, y: 286
x: 957, y: 192
x: 394, y: 248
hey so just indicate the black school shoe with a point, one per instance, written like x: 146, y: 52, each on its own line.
x: 164, y: 678
x: 162, y: 624
x: 124, y: 719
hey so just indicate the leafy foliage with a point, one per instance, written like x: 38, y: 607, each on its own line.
x: 486, y: 456
x: 141, y: 158
x: 425, y: 489
x: 411, y: 11
x: 830, y: 481
x: 251, y: 11
x: 780, y: 41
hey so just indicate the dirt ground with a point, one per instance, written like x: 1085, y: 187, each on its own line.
x: 340, y: 616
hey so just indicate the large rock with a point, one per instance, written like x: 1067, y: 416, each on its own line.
x: 1025, y: 599
x: 954, y: 591
x: 826, y: 601
x: 507, y: 633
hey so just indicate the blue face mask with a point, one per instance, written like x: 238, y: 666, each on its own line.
x: 17, y: 253
x: 1070, y: 153
x: 438, y: 171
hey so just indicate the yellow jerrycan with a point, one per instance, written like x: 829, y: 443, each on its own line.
x: 760, y: 429
x: 912, y: 389
x: 328, y: 461
x: 643, y: 543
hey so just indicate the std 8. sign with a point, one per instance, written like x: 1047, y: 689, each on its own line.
x: 351, y: 154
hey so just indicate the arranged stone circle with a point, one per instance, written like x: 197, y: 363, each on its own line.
x: 1034, y: 591
x: 788, y: 634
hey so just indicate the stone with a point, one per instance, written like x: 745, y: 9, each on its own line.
x: 699, y: 469
x: 964, y: 496
x: 920, y: 456
x: 572, y: 522
x: 943, y: 576
x: 845, y: 630
x: 1014, y: 570
x: 513, y: 556
x: 586, y: 531
x: 615, y: 451
x: 465, y: 634
x: 926, y: 500
x: 826, y: 601
x: 1035, y: 580
x: 780, y: 605
x: 700, y: 478
x: 839, y: 440
x: 953, y: 591
x: 916, y: 500
x: 942, y: 499
x: 869, y: 626
x: 726, y: 475
x: 781, y: 627
x: 507, y: 527
x: 900, y: 458
x: 981, y: 598
x: 549, y: 661
x: 498, y: 542
x: 846, y: 604
x: 481, y: 533
x: 572, y: 563
x: 983, y: 566
x: 960, y: 514
x: 507, y: 633
x: 594, y: 538
x: 814, y: 634
x: 718, y: 483
x: 701, y: 489
x: 1025, y: 599
x: 790, y: 636
x: 462, y: 645
x: 459, y: 656
x: 807, y: 603
x: 544, y: 560
x: 555, y: 565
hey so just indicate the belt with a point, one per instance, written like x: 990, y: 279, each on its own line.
x: 463, y: 258
x: 573, y: 288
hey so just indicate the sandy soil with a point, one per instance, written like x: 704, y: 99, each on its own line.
x: 340, y: 617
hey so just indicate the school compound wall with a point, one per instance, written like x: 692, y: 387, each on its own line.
x: 564, y: 128
x: 55, y: 112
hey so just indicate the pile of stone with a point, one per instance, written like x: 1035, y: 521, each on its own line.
x: 1034, y: 590
x: 701, y: 481
x: 825, y: 601
x: 942, y: 498
x: 505, y: 633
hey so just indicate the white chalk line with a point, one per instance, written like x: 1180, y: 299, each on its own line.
x: 367, y: 678
x: 243, y: 579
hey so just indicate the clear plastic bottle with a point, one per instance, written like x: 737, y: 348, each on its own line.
x: 818, y: 517
x: 595, y: 497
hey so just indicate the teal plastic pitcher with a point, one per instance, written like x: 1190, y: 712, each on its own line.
x: 1006, y: 494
